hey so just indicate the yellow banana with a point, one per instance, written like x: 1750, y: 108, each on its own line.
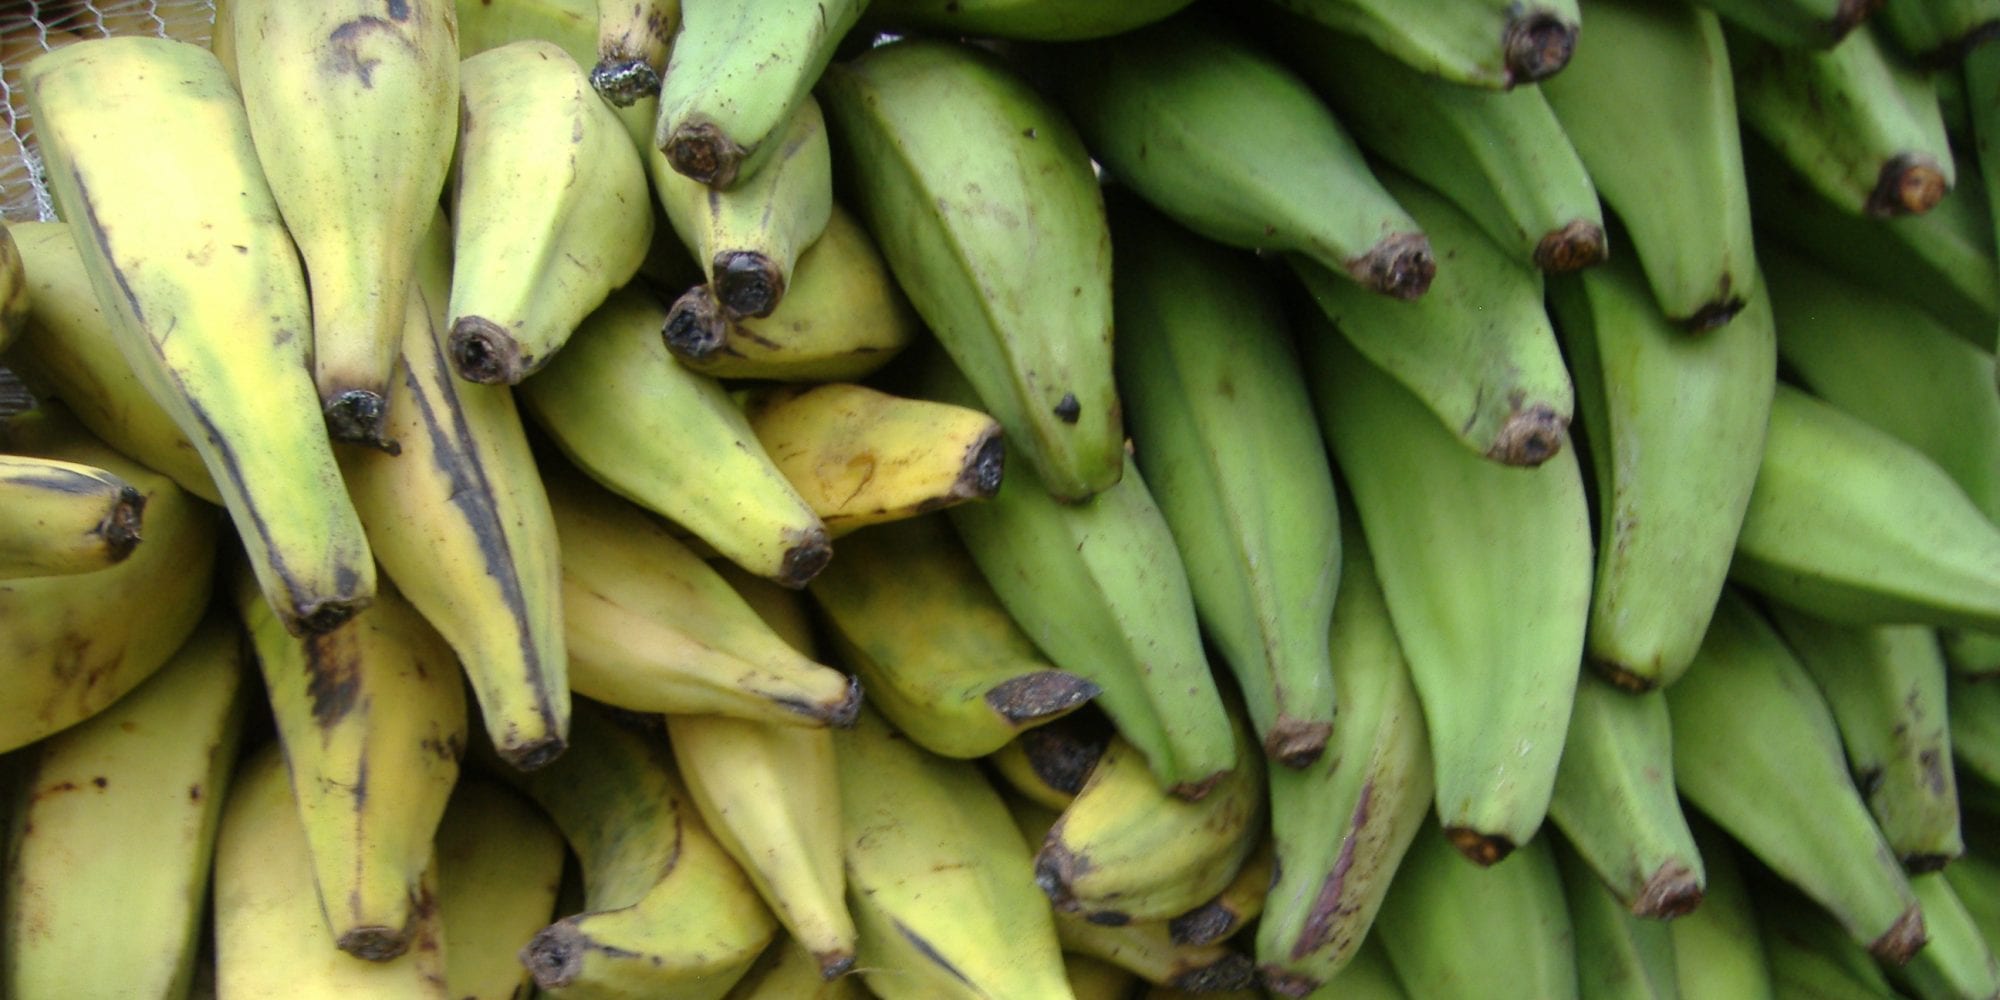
x: 372, y: 720
x: 460, y: 523
x: 499, y: 863
x: 1238, y: 905
x: 60, y: 517
x: 549, y: 211
x: 149, y: 152
x: 633, y: 37
x: 1146, y: 948
x: 354, y: 110
x: 860, y: 456
x: 13, y: 290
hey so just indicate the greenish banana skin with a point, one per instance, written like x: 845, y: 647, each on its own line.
x: 1023, y: 20
x: 1859, y: 125
x: 1757, y: 751
x: 1911, y: 547
x: 1810, y: 954
x: 1978, y: 86
x: 550, y: 209
x: 1456, y: 39
x: 1501, y: 157
x: 1886, y: 686
x: 1514, y: 908
x: 354, y: 116
x: 1673, y: 429
x: 1340, y: 826
x: 1616, y: 805
x: 1718, y: 954
x: 1958, y: 961
x: 1619, y: 955
x: 1478, y: 350
x: 1084, y: 581
x: 1975, y: 880
x: 1797, y: 24
x: 736, y: 73
x: 1652, y: 69
x: 1486, y: 569
x: 915, y: 126
x: 1224, y: 431
x: 1171, y: 110
x: 1941, y: 33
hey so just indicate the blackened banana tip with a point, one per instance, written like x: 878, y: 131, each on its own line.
x: 320, y: 617
x: 984, y: 470
x: 1575, y: 246
x: 1529, y: 437
x: 844, y: 714
x: 483, y: 351
x: 747, y: 283
x: 1033, y: 697
x: 375, y: 944
x: 555, y: 955
x: 1924, y: 864
x: 121, y: 527
x: 1400, y: 266
x: 533, y: 756
x: 1055, y: 866
x: 1231, y: 972
x: 1287, y: 984
x: 834, y: 964
x: 1672, y: 891
x: 804, y: 560
x: 1484, y: 850
x: 359, y: 416
x: 624, y: 82
x: 1195, y: 791
x: 1537, y: 46
x: 699, y: 150
x: 1203, y: 925
x: 695, y: 328
x: 1902, y: 939
x: 1908, y: 184
x: 1296, y: 743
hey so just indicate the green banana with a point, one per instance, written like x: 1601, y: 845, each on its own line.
x: 1619, y: 956
x: 499, y: 865
x: 941, y: 144
x: 1224, y: 433
x: 1220, y: 136
x: 1478, y: 350
x: 1368, y: 976
x: 1486, y: 572
x: 1797, y: 24
x: 1941, y: 32
x: 1859, y: 125
x: 909, y: 614
x: 1975, y: 880
x: 739, y: 70
x: 1673, y: 430
x: 1616, y: 805
x: 1341, y: 826
x: 633, y: 40
x: 1501, y: 157
x: 1100, y: 588
x: 1655, y: 69
x: 1718, y: 954
x: 354, y: 115
x: 1514, y: 908
x: 1957, y: 961
x: 219, y: 336
x: 1853, y: 525
x: 1810, y: 955
x: 671, y: 440
x: 1456, y: 39
x: 549, y: 209
x: 58, y: 517
x: 1757, y: 751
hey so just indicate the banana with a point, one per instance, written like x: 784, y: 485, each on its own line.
x: 1757, y: 751
x: 1146, y: 949
x: 1096, y: 979
x: 70, y: 352
x: 158, y: 761
x: 499, y: 862
x: 1975, y: 880
x: 1501, y: 157
x: 860, y: 456
x: 1367, y: 976
x: 908, y: 612
x: 372, y: 720
x: 942, y: 145
x: 1047, y: 765
x: 1456, y: 39
x: 1031, y: 20
x: 1486, y: 572
x: 771, y: 796
x: 651, y: 628
x: 672, y: 441
x: 1652, y: 70
x: 1125, y: 849
x: 1514, y: 908
x: 1886, y: 688
x: 1618, y: 954
x: 1859, y: 125
x: 14, y: 293
x: 271, y: 938
x: 939, y: 878
x: 354, y: 115
x: 1615, y: 801
x: 1718, y: 954
x: 1973, y: 719
x: 1957, y: 962
x: 1674, y: 430
x: 1340, y: 827
x: 667, y: 914
x: 1810, y: 954
x: 1796, y: 24
x: 1237, y: 906
x: 218, y: 335
x: 1853, y: 525
x: 787, y: 971
x: 842, y: 318
x: 60, y: 517
x: 549, y: 209
x: 77, y: 643
x: 1939, y: 33
x: 460, y: 523
x: 1478, y: 351
x: 1224, y: 139
x: 1099, y: 588
x: 633, y: 38
x: 222, y: 37
x: 1226, y: 438
x: 749, y: 236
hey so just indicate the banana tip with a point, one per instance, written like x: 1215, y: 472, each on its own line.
x: 624, y: 82
x: 1674, y: 890
x: 373, y: 943
x: 1297, y: 743
x: 747, y: 283
x: 1924, y: 864
x: 1055, y: 867
x: 320, y: 617
x: 1537, y: 46
x: 1039, y: 696
x: 1231, y: 972
x: 805, y: 559
x: 1577, y: 245
x: 700, y: 151
x: 483, y: 351
x: 834, y: 964
x: 1401, y: 266
x: 1624, y: 678
x: 1902, y: 939
x: 695, y: 327
x: 984, y: 468
x: 1908, y: 184
x: 534, y: 755
x: 1203, y: 925
x: 121, y: 526
x: 554, y: 956
x: 1530, y: 437
x: 360, y: 416
x: 1285, y: 983
x: 1484, y: 850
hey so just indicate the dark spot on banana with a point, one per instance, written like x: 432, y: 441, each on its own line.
x: 346, y: 41
x: 1107, y: 918
x: 1231, y: 972
x: 1068, y: 409
x: 1537, y: 47
x: 194, y: 793
x: 100, y: 781
x: 1205, y: 924
x: 482, y: 351
x: 399, y: 10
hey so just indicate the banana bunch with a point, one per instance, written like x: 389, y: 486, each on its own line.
x: 1005, y: 500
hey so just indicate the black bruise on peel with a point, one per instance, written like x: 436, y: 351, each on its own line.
x: 333, y: 678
